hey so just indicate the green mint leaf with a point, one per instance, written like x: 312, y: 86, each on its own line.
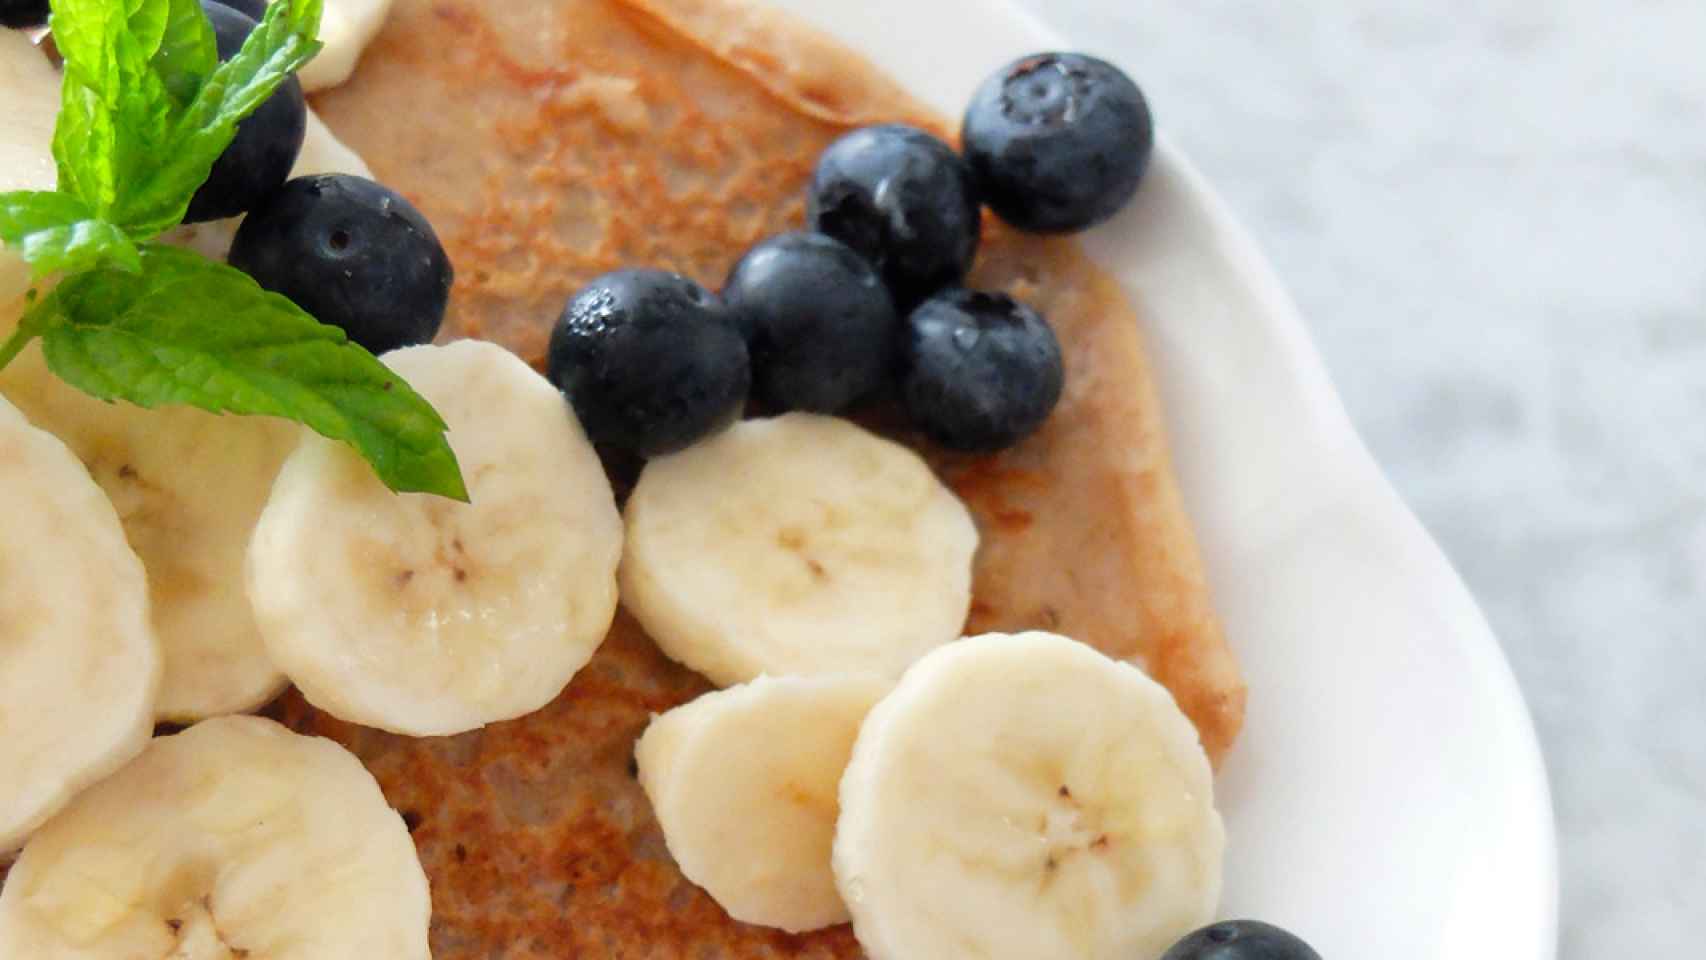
x: 146, y: 106
x: 145, y: 111
x: 85, y: 32
x: 81, y: 246
x: 85, y: 144
x: 186, y: 53
x: 115, y: 107
x: 23, y: 211
x: 156, y: 193
x: 53, y: 231
x: 190, y: 331
x: 145, y: 21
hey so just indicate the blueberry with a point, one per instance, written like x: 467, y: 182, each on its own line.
x: 1241, y: 940
x: 267, y: 141
x: 352, y: 253
x: 820, y: 325
x: 651, y: 361
x: 905, y: 201
x: 23, y: 13
x: 1058, y: 141
x: 253, y: 9
x: 979, y: 371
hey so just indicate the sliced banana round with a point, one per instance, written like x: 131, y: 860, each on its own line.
x: 188, y: 487
x: 743, y: 782
x: 422, y: 616
x: 1023, y: 797
x: 323, y: 152
x: 346, y: 27
x: 235, y: 838
x: 29, y: 88
x: 79, y: 665
x: 793, y: 546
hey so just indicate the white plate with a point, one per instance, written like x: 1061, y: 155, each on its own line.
x: 1388, y: 797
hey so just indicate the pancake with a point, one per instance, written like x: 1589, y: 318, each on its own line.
x: 553, y: 140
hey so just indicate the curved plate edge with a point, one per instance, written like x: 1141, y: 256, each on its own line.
x: 1337, y: 486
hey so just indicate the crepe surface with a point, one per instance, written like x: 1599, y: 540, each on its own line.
x: 551, y: 141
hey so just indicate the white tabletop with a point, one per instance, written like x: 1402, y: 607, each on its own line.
x: 1494, y: 218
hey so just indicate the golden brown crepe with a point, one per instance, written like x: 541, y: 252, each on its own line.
x: 552, y: 140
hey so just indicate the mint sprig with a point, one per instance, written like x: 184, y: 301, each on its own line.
x: 176, y: 333
x: 146, y: 109
x: 130, y: 68
x: 160, y: 187
x: 57, y: 232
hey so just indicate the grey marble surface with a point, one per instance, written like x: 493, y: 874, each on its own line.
x: 1493, y: 216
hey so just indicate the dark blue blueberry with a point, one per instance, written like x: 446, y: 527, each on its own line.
x: 1058, y: 141
x: 253, y: 9
x: 23, y: 13
x: 651, y: 361
x: 352, y: 253
x: 821, y: 327
x: 267, y: 141
x: 905, y: 201
x: 979, y: 371
x: 1241, y: 940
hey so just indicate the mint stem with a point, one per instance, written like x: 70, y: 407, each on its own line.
x: 15, y: 344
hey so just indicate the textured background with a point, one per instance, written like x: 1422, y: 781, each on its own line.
x: 1493, y: 215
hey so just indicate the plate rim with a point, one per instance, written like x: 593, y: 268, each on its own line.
x: 1309, y: 369
x: 1376, y: 506
x: 1480, y: 642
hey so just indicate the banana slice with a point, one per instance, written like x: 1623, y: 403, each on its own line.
x: 323, y: 152
x: 743, y: 782
x: 346, y: 27
x: 1024, y: 797
x: 799, y: 545
x: 189, y: 487
x: 422, y: 616
x: 79, y: 666
x: 29, y: 88
x: 235, y: 838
